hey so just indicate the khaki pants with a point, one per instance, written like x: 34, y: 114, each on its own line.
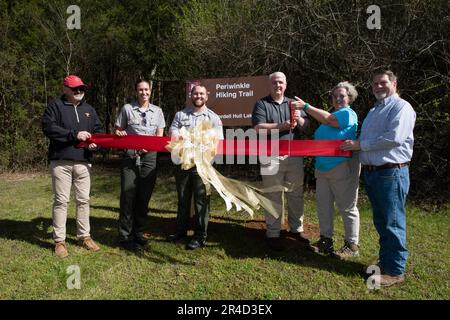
x: 64, y: 174
x: 340, y: 186
x: 288, y: 173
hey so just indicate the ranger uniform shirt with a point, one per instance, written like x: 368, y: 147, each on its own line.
x: 134, y: 121
x: 189, y: 119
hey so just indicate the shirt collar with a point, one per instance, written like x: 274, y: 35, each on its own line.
x: 386, y: 100
x: 135, y: 106
x: 191, y: 110
x: 285, y: 99
x: 341, y: 108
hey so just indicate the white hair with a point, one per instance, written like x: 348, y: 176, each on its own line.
x: 277, y: 74
x: 351, y: 91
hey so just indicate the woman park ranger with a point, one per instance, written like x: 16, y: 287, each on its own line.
x: 138, y: 170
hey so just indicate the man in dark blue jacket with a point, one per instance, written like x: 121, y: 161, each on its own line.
x: 66, y: 122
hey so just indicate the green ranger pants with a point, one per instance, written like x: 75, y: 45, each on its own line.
x: 189, y: 183
x: 137, y: 180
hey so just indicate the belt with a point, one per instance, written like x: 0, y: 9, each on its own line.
x: 385, y: 166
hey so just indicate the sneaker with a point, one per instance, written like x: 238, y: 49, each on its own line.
x: 349, y: 250
x: 324, y: 245
x: 61, y: 250
x: 89, y: 244
x: 387, y: 280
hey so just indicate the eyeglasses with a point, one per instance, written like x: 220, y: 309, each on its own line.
x: 341, y: 96
x: 78, y: 89
x: 144, y: 119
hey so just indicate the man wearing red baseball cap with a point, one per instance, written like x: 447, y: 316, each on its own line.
x: 67, y: 121
x: 73, y: 82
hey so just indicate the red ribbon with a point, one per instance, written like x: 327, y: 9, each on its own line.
x: 324, y: 148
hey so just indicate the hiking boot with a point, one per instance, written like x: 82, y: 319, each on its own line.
x: 61, y: 250
x: 349, y: 250
x: 324, y: 245
x: 89, y: 244
x: 387, y: 280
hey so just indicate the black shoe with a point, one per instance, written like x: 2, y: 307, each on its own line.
x: 131, y: 246
x: 142, y: 241
x: 195, y: 243
x: 176, y: 237
x: 275, y: 244
x: 299, y: 236
x: 324, y: 245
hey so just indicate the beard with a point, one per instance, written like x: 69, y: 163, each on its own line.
x: 198, y: 103
x: 380, y: 95
x: 78, y: 97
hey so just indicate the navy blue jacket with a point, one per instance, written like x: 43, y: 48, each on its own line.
x: 61, y: 123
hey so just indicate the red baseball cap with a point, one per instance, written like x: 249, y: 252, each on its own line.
x: 73, y: 82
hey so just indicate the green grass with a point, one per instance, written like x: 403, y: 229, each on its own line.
x: 235, y: 264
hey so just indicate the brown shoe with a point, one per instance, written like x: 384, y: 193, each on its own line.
x: 61, y: 250
x: 89, y: 244
x: 387, y: 280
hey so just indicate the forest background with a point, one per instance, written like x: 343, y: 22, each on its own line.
x: 317, y: 43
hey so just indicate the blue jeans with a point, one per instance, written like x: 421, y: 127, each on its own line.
x: 387, y: 190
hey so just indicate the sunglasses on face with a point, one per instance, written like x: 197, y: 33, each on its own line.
x: 78, y: 89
